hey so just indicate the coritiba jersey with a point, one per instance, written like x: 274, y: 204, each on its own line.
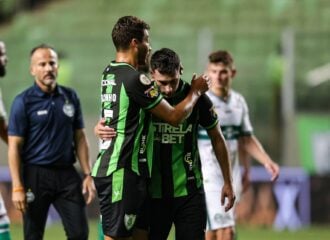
x: 235, y: 122
x: 176, y: 168
x: 126, y: 96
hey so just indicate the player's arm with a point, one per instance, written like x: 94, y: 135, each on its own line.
x: 82, y: 150
x: 245, y: 161
x: 254, y: 148
x: 221, y: 153
x: 15, y: 144
x: 175, y: 115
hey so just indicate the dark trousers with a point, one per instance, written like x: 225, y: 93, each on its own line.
x: 62, y: 188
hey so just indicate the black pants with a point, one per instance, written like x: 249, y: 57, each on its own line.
x: 62, y: 188
x: 187, y: 213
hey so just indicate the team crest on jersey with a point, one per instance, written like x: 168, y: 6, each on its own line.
x: 145, y: 80
x: 213, y: 112
x: 129, y: 220
x: 68, y: 109
x: 30, y: 196
x: 152, y: 92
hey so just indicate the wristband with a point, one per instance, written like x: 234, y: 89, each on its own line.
x: 18, y: 189
x: 87, y: 174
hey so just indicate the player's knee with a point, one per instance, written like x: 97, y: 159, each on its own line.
x: 229, y: 233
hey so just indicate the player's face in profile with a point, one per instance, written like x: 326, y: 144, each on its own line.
x: 220, y: 75
x: 167, y: 84
x: 144, y: 50
x: 3, y: 59
x: 44, y: 67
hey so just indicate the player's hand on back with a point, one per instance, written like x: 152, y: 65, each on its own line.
x: 200, y: 84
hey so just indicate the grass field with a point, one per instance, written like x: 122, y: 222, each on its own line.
x: 56, y: 232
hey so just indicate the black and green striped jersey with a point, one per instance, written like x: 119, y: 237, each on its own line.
x: 126, y: 96
x: 176, y: 167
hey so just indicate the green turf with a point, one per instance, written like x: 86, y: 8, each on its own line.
x: 56, y: 232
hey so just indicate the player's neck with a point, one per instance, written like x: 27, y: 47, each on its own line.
x: 126, y: 57
x: 221, y: 92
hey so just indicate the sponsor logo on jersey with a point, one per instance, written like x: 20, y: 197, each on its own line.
x: 109, y: 97
x: 68, y: 109
x: 129, y: 220
x: 152, y: 92
x: 105, y: 144
x: 108, y: 113
x: 42, y: 112
x: 188, y: 160
x: 108, y: 82
x: 145, y: 80
x: 143, y: 144
x: 166, y: 133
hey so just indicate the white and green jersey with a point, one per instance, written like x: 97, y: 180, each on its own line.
x: 3, y: 114
x: 126, y: 97
x: 234, y: 121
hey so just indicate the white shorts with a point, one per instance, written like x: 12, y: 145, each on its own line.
x: 213, y: 183
x: 216, y: 215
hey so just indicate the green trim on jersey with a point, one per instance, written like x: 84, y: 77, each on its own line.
x: 123, y: 103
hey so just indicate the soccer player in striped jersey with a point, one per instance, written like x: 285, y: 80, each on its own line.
x: 176, y: 182
x: 233, y: 114
x: 177, y: 195
x: 4, y: 220
x: 128, y: 97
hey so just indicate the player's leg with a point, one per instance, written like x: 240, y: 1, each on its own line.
x: 161, y: 218
x: 190, y: 217
x: 4, y: 222
x: 70, y: 204
x: 39, y: 194
x: 121, y: 196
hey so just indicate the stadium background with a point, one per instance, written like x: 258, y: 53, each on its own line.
x: 253, y: 30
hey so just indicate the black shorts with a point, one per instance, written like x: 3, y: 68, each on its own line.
x: 122, y: 197
x: 188, y: 214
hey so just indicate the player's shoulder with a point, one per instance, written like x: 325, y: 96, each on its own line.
x: 238, y: 97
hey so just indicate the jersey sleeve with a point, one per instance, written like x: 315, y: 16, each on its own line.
x: 246, y: 128
x: 144, y: 92
x: 208, y: 118
x: 17, y: 124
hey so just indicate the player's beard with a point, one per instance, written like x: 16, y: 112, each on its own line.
x: 2, y: 71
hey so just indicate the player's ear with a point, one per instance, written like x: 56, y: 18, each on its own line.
x: 181, y: 69
x: 233, y: 72
x: 134, y: 42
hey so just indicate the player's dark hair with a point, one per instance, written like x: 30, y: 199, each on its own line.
x: 166, y: 61
x: 221, y: 56
x: 127, y: 28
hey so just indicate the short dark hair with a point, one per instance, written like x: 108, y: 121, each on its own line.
x: 41, y: 46
x: 127, y: 28
x: 166, y: 61
x: 221, y: 56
